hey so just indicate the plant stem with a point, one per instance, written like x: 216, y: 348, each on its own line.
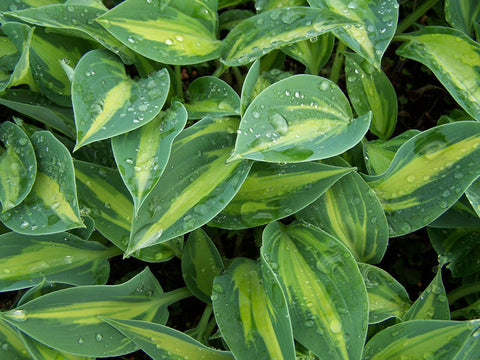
x: 238, y: 78
x: 463, y: 291
x: 203, y: 323
x: 415, y: 15
x: 178, y: 81
x: 220, y: 70
x: 176, y: 295
x: 337, y: 62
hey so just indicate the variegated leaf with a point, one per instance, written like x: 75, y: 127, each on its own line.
x: 262, y: 33
x: 462, y: 14
x: 300, y: 118
x: 374, y: 28
x: 102, y: 93
x: 72, y: 315
x: 141, y: 154
x: 275, y: 191
x: 387, y: 298
x: 420, y: 339
x: 18, y: 166
x: 210, y: 96
x: 12, y: 347
x: 198, y: 189
x: 253, y: 319
x: 12, y: 5
x: 428, y: 174
x: 201, y: 262
x: 105, y: 199
x: 51, y: 206
x: 180, y: 32
x: 457, y: 71
x: 473, y: 195
x: 325, y: 291
x: 161, y: 342
x: 250, y: 90
x: 460, y: 215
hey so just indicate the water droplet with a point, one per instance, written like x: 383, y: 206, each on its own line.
x: 169, y: 42
x: 81, y: 341
x: 411, y: 178
x: 24, y: 225
x: 255, y: 114
x: 279, y: 123
x: 16, y: 315
x: 98, y: 337
x: 217, y: 288
x: 309, y: 323
x: 335, y: 326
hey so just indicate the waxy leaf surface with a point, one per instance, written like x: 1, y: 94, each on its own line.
x: 12, y: 346
x: 253, y: 319
x: 198, y: 189
x: 428, y: 174
x: 51, y: 206
x: 275, y: 191
x: 473, y: 195
x: 300, y: 118
x: 162, y: 342
x: 106, y: 102
x: 325, y: 291
x: 457, y: 70
x: 18, y: 165
x: 462, y: 14
x: 141, y: 154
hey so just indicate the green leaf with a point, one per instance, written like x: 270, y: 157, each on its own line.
x: 460, y: 215
x: 253, y: 319
x: 102, y: 93
x: 275, y: 191
x: 40, y: 108
x: 249, y: 91
x: 11, y: 5
x: 432, y: 304
x: 262, y: 33
x: 428, y: 174
x: 387, y: 298
x: 12, y: 347
x: 51, y: 206
x: 376, y: 22
x: 314, y: 53
x: 350, y: 212
x: 201, y: 262
x: 470, y: 348
x: 457, y: 71
x: 75, y: 19
x: 231, y: 18
x: 325, y: 291
x: 198, y: 189
x: 103, y: 197
x: 142, y: 154
x: 473, y: 195
x: 265, y: 5
x: 180, y: 32
x: 27, y: 260
x: 161, y: 342
x: 210, y: 96
x: 300, y: 118
x: 420, y: 339
x: 72, y: 315
x: 370, y: 89
x: 18, y: 166
x: 462, y: 14
x: 459, y: 248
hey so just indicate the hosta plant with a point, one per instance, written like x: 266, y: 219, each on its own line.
x: 231, y: 179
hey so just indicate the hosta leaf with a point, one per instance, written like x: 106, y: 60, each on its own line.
x: 12, y: 5
x: 51, y: 206
x: 460, y: 215
x: 141, y: 154
x: 376, y: 21
x: 41, y: 109
x: 75, y: 19
x: 249, y: 86
x: 161, y: 342
x: 265, y: 5
x: 12, y: 347
x: 459, y: 247
x: 427, y: 339
x: 313, y: 53
x: 231, y: 18
x: 253, y: 319
x: 350, y: 211
x: 273, y: 29
x: 432, y: 304
x: 275, y: 191
x: 27, y: 260
x: 387, y: 298
x: 42, y: 288
x: 227, y: 3
x: 370, y: 89
x: 210, y: 96
x: 457, y: 71
x: 72, y: 315
x: 198, y: 189
x: 324, y: 289
x: 201, y: 262
x: 473, y: 195
x: 102, y: 94
x: 379, y: 153
x: 180, y: 32
x: 428, y: 174
x: 470, y: 348
x: 18, y: 165
x: 300, y: 118
x: 104, y: 197
x: 462, y: 14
